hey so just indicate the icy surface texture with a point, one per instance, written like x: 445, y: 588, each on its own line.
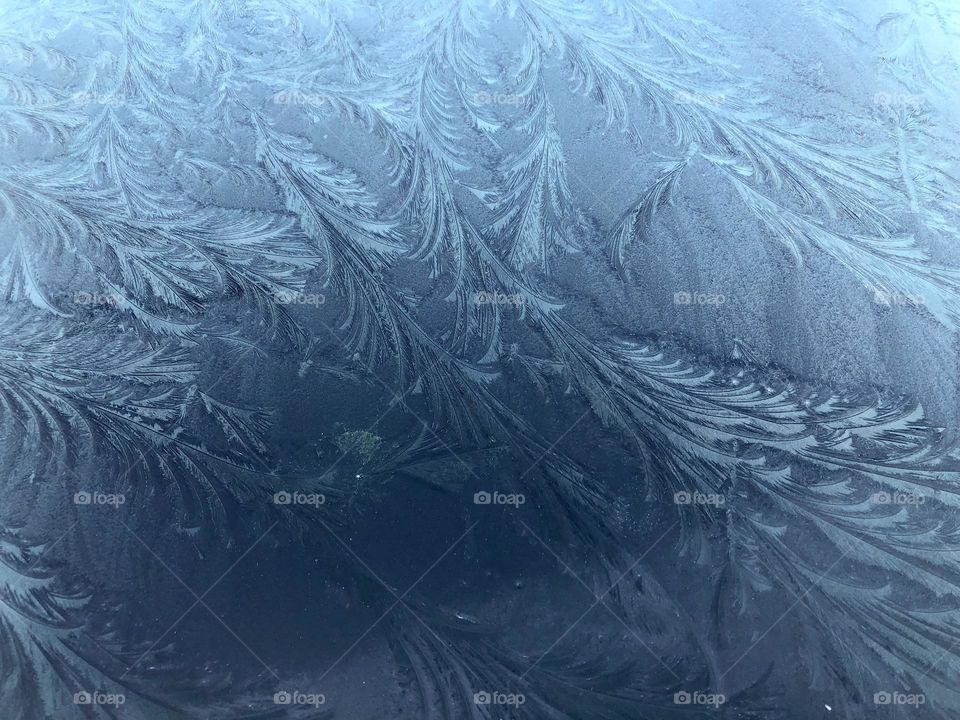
x: 479, y: 359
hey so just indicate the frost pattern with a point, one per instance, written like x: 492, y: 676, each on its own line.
x: 175, y: 185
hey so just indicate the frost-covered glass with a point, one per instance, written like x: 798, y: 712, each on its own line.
x: 479, y: 359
